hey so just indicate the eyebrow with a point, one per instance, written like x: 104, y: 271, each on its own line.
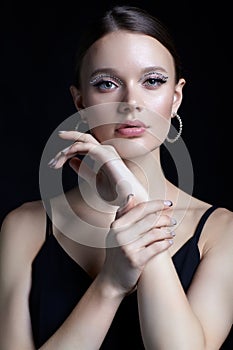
x: 102, y: 71
x: 154, y: 69
x: 113, y: 71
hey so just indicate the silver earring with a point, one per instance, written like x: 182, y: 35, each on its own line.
x: 81, y: 125
x: 78, y: 124
x: 180, y: 129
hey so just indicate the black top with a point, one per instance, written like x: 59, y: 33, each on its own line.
x: 58, y: 283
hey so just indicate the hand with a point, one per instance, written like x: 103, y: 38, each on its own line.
x: 144, y: 231
x: 109, y: 174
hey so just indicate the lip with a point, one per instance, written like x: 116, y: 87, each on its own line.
x: 131, y: 128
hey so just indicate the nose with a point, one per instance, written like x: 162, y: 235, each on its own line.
x: 130, y: 102
x: 127, y: 107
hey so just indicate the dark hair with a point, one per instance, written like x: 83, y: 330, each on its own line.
x: 131, y: 19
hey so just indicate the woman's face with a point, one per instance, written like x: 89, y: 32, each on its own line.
x: 128, y: 90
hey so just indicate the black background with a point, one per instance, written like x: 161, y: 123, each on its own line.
x: 37, y: 48
x: 38, y: 43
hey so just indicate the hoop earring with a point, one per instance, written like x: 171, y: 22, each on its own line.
x: 180, y: 129
x: 77, y: 125
x: 81, y: 125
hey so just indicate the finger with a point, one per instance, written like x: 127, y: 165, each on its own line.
x: 141, y: 210
x: 129, y: 204
x: 75, y: 164
x: 131, y: 232
x: 77, y: 136
x: 150, y: 237
x: 59, y: 158
x: 81, y: 147
x: 69, y: 152
x: 152, y: 250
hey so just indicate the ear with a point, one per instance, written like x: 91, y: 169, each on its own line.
x: 178, y: 95
x: 77, y: 97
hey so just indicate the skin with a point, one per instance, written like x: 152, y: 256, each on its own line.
x: 142, y: 229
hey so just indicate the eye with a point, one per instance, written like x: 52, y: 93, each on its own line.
x: 154, y: 80
x: 105, y: 82
x: 105, y: 85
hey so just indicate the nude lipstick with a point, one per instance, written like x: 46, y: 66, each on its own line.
x: 132, y: 128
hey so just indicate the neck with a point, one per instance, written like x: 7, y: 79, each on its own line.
x: 148, y: 170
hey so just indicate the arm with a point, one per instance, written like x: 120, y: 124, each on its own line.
x: 85, y: 328
x: 19, y: 244
x: 203, y: 318
x: 109, y: 175
x: 15, y: 326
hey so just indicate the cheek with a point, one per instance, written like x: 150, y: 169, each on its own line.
x: 162, y: 105
x: 103, y: 133
x: 93, y: 98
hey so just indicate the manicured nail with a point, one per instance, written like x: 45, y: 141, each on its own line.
x: 65, y: 150
x: 173, y: 221
x: 128, y: 198
x: 168, y: 203
x: 52, y: 163
x: 124, y: 204
x: 61, y: 131
x: 171, y: 241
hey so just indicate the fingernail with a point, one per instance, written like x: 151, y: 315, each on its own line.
x: 173, y: 234
x: 65, y: 150
x: 171, y: 241
x: 173, y: 221
x: 128, y: 198
x: 124, y: 204
x: 61, y: 131
x: 168, y: 203
x: 51, y: 161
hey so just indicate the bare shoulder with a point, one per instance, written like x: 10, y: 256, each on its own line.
x: 219, y: 231
x: 23, y: 230
x: 222, y: 221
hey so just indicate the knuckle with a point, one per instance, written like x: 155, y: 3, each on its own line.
x: 114, y: 226
x: 135, y: 261
x: 119, y: 237
x: 127, y: 250
x: 165, y: 220
x: 153, y: 219
x: 151, y: 235
x: 158, y: 247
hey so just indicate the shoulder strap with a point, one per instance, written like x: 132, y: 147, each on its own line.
x: 48, y: 210
x: 203, y: 221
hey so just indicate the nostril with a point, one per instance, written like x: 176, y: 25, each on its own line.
x: 125, y: 107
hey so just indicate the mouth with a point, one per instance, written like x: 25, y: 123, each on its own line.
x: 131, y: 128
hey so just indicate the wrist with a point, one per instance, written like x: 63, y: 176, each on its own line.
x: 158, y: 261
x: 108, y: 290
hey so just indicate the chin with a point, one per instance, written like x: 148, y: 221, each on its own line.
x: 129, y: 148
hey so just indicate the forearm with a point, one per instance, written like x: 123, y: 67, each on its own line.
x: 167, y: 320
x: 87, y: 325
x: 125, y: 181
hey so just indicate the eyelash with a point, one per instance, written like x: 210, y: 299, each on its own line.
x: 98, y: 81
x: 159, y: 80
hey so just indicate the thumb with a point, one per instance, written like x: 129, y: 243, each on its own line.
x: 129, y: 204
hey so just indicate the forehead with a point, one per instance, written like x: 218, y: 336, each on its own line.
x: 127, y: 51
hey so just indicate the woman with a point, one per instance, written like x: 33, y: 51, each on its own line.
x: 139, y: 263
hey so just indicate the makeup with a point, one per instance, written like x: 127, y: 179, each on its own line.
x: 133, y: 128
x: 100, y: 78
